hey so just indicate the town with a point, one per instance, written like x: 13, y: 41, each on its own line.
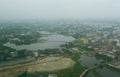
x: 93, y: 39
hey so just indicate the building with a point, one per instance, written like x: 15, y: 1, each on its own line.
x: 85, y: 41
x: 13, y: 54
x: 35, y: 54
x: 52, y: 75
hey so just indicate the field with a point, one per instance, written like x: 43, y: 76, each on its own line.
x: 51, y: 64
x: 45, y: 65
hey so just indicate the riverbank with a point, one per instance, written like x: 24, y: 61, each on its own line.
x: 45, y: 65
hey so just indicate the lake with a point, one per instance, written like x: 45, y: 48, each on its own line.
x: 52, y: 41
x: 89, y: 61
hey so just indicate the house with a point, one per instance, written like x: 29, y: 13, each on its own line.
x: 13, y: 54
x: 85, y: 41
x: 52, y: 75
x: 35, y: 54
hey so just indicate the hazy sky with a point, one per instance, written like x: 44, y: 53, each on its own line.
x: 59, y: 9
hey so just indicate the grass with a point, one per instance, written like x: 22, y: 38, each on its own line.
x: 96, y: 74
x: 75, y: 56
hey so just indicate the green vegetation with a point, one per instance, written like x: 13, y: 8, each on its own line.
x: 23, y: 75
x: 5, y: 52
x: 75, y: 56
x: 96, y: 74
x: 103, y: 57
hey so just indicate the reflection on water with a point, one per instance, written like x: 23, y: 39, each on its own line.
x: 89, y: 61
x: 53, y: 41
x: 103, y: 72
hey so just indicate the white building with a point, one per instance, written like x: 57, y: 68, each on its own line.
x: 52, y: 75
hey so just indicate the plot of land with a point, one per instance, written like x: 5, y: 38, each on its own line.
x: 45, y: 65
x: 51, y: 64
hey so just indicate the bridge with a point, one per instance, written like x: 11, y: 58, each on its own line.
x: 88, y: 69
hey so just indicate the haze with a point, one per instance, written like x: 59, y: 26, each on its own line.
x: 59, y: 9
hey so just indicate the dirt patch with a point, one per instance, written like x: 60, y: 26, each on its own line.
x: 45, y: 65
x: 51, y: 64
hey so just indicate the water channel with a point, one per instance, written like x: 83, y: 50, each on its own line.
x: 90, y: 61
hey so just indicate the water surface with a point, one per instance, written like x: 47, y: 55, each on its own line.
x: 52, y: 41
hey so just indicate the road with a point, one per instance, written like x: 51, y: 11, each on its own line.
x: 88, y: 69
